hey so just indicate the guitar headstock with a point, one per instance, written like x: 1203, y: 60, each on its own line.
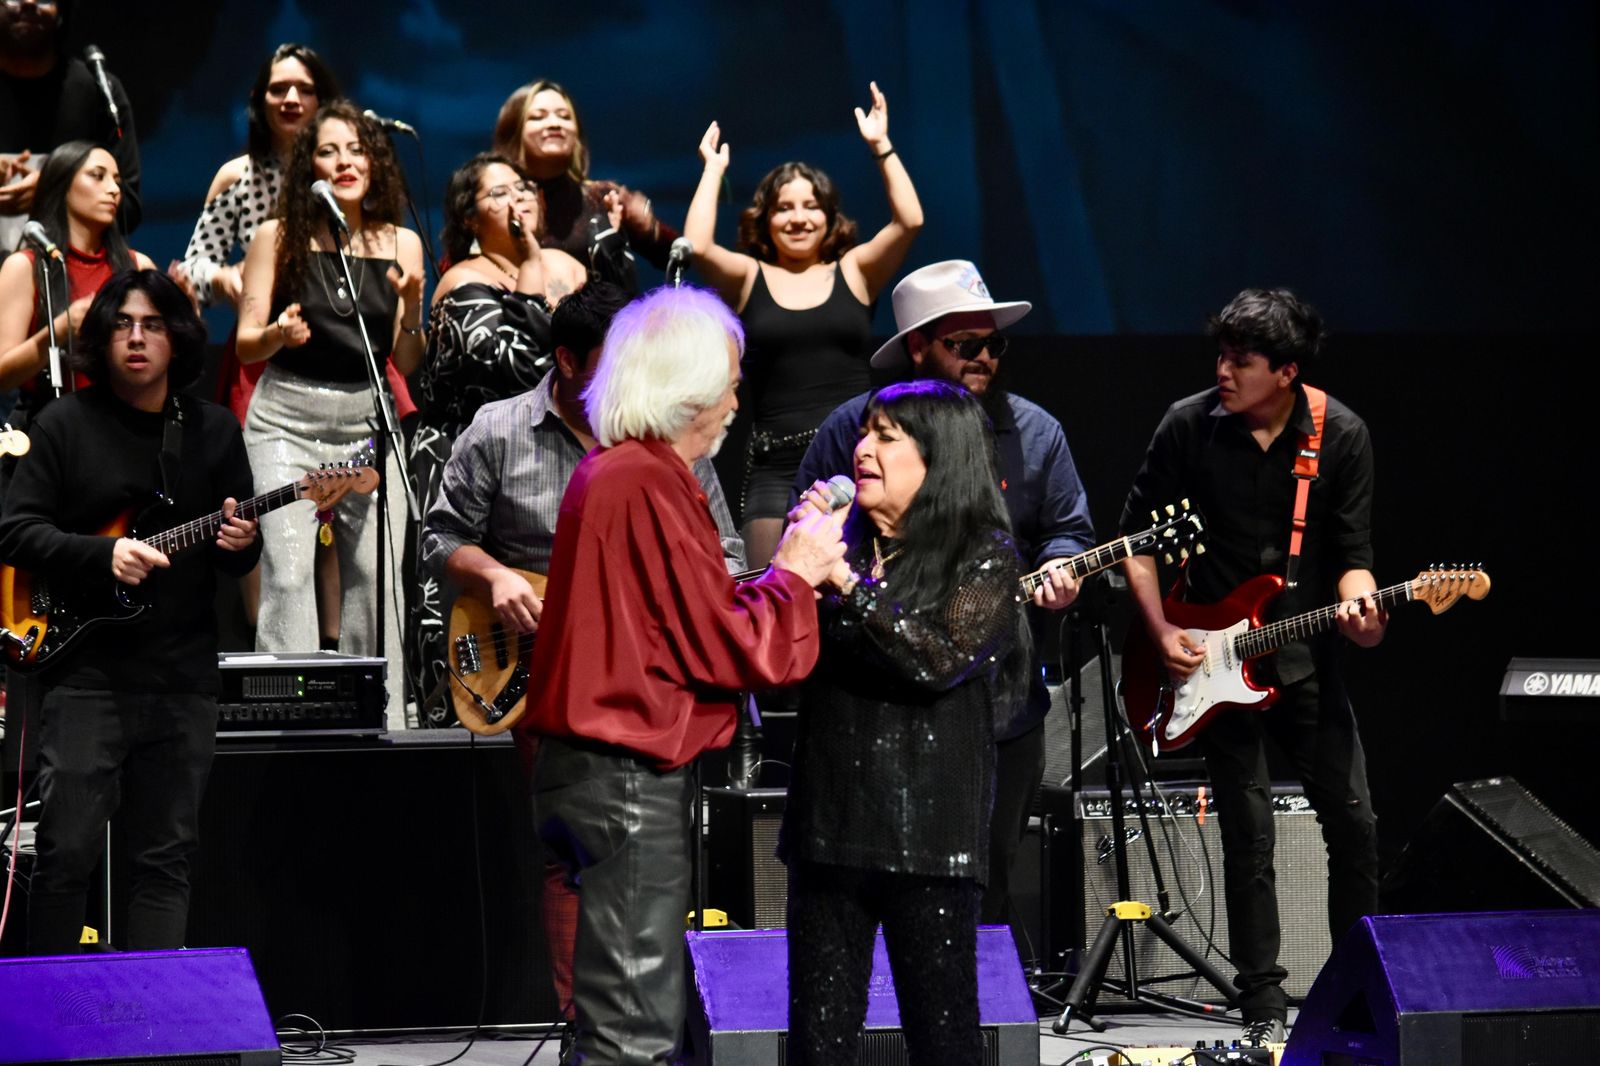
x: 14, y: 442
x: 327, y: 486
x: 1440, y: 587
x: 1176, y: 529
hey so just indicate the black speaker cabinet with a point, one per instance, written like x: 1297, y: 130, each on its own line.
x: 348, y: 870
x: 1508, y: 989
x: 1490, y: 845
x: 1195, y: 884
x: 743, y: 874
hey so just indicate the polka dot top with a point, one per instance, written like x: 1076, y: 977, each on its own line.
x: 230, y: 220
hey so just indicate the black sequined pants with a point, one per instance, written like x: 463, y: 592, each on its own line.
x: 930, y: 930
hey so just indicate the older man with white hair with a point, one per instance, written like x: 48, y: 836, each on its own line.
x: 644, y: 642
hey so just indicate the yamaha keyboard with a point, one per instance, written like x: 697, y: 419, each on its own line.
x: 300, y: 694
x: 1551, y: 690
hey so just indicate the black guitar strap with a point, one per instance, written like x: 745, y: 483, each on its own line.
x: 171, y: 448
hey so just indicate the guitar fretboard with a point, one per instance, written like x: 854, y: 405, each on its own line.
x: 1274, y: 635
x: 1091, y: 561
x: 203, y: 530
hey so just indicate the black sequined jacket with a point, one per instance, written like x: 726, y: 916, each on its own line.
x: 894, y: 759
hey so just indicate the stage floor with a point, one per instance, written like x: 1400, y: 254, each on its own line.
x: 1132, y: 1029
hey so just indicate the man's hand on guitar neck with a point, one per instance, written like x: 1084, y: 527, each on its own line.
x: 1359, y: 617
x: 132, y: 560
x: 235, y: 534
x: 1057, y: 593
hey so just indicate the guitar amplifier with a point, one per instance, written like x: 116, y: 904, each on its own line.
x: 300, y: 694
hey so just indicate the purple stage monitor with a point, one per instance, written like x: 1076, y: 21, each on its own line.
x: 134, y: 1006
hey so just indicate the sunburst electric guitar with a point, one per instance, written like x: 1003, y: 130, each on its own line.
x: 1231, y: 634
x: 40, y: 618
x: 488, y: 664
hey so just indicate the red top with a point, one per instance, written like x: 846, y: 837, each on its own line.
x: 645, y: 639
x: 85, y: 274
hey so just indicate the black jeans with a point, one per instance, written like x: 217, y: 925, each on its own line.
x: 931, y: 932
x: 1315, y: 727
x: 144, y: 758
x: 622, y: 829
x: 1018, y: 770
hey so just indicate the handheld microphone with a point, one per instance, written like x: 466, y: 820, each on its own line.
x: 324, y: 192
x: 391, y: 123
x: 35, y: 235
x: 97, y: 62
x: 841, y: 487
x: 678, y: 262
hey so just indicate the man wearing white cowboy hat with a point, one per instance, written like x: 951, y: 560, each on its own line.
x: 949, y: 331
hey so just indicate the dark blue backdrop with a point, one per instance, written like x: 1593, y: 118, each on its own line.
x: 1412, y: 166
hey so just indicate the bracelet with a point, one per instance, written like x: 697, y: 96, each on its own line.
x: 279, y: 323
x: 886, y: 154
x: 850, y: 584
x: 414, y: 331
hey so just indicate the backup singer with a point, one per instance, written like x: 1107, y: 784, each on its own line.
x: 804, y: 289
x: 488, y: 339
x: 888, y: 812
x: 313, y: 404
x: 949, y: 329
x: 1231, y: 451
x: 600, y: 223
x: 79, y: 191
x: 130, y: 712
x: 644, y: 642
x: 496, y: 510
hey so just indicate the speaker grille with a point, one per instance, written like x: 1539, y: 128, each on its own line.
x: 1527, y: 1038
x: 1532, y: 830
x: 1300, y: 860
x: 771, y: 877
x: 887, y: 1047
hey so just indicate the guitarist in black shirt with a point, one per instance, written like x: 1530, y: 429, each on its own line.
x: 129, y: 714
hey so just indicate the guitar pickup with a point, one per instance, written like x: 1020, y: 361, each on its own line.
x: 469, y: 660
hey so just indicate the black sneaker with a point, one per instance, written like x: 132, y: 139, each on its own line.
x: 1262, y: 1032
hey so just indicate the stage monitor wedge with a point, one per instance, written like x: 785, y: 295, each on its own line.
x: 1517, y: 988
x: 196, y: 1007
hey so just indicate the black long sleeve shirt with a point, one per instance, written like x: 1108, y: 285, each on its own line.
x: 92, y: 459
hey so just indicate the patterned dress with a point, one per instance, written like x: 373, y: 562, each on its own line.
x: 484, y: 344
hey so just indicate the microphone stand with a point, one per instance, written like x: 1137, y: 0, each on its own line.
x: 389, y: 437
x: 411, y: 203
x: 50, y: 323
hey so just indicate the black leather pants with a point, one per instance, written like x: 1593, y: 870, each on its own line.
x: 622, y: 829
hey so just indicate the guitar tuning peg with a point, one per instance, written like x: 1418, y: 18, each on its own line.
x: 1166, y: 557
x: 1155, y: 516
x: 1183, y: 553
x: 1185, y: 503
x: 1200, y: 549
x: 1171, y: 510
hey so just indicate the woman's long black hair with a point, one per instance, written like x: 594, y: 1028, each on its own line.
x: 50, y: 211
x: 957, y: 513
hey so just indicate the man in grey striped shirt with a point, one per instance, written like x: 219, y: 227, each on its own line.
x: 496, y: 514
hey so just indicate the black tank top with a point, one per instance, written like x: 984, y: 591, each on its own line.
x: 800, y: 365
x: 335, y: 352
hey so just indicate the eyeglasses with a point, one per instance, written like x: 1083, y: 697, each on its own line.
x: 153, y: 326
x: 972, y: 347
x: 501, y: 193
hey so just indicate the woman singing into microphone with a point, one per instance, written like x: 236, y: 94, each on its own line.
x: 313, y: 403
x: 888, y: 813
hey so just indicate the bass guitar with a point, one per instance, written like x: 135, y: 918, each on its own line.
x: 40, y: 618
x: 488, y: 664
x: 1232, y: 634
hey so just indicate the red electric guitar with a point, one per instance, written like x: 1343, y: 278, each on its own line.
x: 1232, y: 634
x: 38, y: 618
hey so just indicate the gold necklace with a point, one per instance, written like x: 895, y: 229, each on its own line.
x: 879, y: 560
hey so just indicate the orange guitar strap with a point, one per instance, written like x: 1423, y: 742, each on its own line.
x: 1305, y: 472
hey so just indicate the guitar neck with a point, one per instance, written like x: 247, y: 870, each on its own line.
x: 204, y: 530
x: 1081, y: 566
x: 1274, y: 635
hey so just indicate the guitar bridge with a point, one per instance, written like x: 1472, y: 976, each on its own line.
x: 469, y: 659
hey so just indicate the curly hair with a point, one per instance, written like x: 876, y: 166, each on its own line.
x: 755, y: 230
x: 259, y: 140
x: 302, y: 216
x: 185, y: 331
x: 514, y: 115
x: 461, y: 204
